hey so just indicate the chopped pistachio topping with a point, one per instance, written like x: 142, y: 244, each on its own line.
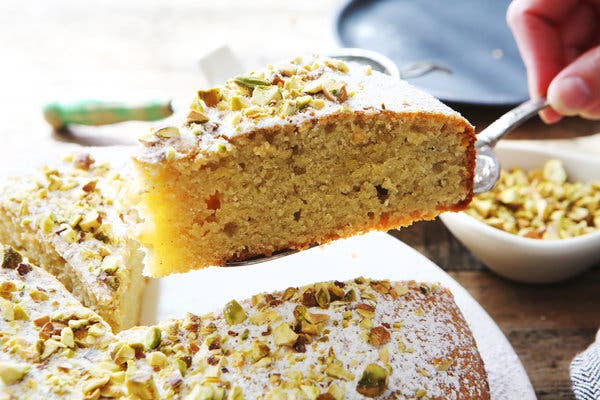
x: 251, y: 81
x: 234, y: 313
x: 153, y: 336
x: 10, y: 258
x: 283, y: 335
x: 540, y: 204
x: 373, y: 381
x: 279, y: 91
x: 12, y: 372
x: 167, y: 132
x: 210, y: 97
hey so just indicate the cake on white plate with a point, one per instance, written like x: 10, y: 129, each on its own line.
x: 331, y: 340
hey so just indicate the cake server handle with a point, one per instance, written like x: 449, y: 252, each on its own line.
x: 487, y: 165
x: 99, y: 112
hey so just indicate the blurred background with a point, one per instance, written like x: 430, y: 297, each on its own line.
x: 68, y: 49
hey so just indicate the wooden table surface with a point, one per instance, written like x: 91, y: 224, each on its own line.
x: 135, y: 49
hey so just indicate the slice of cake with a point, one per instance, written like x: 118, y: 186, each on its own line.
x: 333, y: 340
x: 51, y: 347
x: 298, y: 154
x: 73, y: 219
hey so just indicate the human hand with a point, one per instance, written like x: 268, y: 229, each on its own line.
x: 559, y: 41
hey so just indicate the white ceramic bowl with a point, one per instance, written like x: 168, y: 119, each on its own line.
x: 524, y: 259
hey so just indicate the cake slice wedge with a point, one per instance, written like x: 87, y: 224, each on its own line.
x: 331, y: 340
x: 75, y: 219
x: 51, y: 346
x: 298, y: 154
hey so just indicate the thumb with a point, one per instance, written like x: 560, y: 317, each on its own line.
x: 576, y: 89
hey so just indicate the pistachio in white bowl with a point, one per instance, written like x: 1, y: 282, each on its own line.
x: 526, y: 259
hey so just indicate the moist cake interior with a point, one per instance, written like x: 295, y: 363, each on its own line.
x: 289, y: 185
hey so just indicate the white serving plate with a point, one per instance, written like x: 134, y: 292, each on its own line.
x: 375, y: 255
x: 525, y: 259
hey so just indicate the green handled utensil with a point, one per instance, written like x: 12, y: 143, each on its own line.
x: 97, y: 112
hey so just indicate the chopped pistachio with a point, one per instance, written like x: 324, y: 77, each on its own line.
x: 317, y: 103
x: 95, y: 383
x: 19, y: 313
x: 235, y: 393
x: 336, y: 392
x: 555, y: 172
x: 96, y: 330
x: 288, y: 108
x: 303, y: 101
x: 314, y: 86
x: 251, y: 81
x: 153, y: 337
x: 47, y: 223
x: 237, y: 103
x: 373, y: 381
x: 197, y: 117
x: 337, y: 65
x: 141, y: 384
x: 283, y: 335
x: 157, y: 359
x: 210, y: 97
x: 263, y: 96
x: 69, y: 235
x: 49, y: 347
x: 110, y: 264
x: 121, y: 353
x: 337, y: 371
x: 91, y: 220
x: 10, y: 258
x: 234, y: 313
x: 67, y: 338
x: 540, y: 204
x: 442, y: 364
x: 258, y: 351
x: 322, y: 296
x: 167, y: 132
x: 12, y: 372
x: 221, y: 147
x: 379, y: 335
x: 78, y: 323
x: 170, y: 153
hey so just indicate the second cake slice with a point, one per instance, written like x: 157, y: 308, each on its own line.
x: 71, y: 218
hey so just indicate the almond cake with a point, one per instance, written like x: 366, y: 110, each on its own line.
x: 298, y: 154
x: 74, y: 219
x: 327, y: 341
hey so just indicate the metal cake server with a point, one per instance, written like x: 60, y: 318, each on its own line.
x: 487, y: 165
